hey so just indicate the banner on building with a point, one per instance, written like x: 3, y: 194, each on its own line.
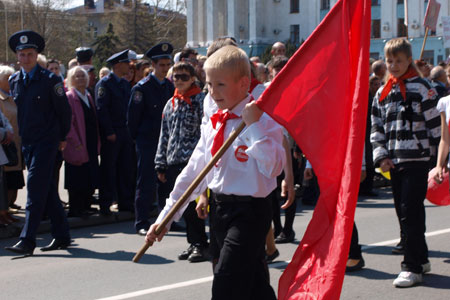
x: 431, y: 16
x: 446, y: 27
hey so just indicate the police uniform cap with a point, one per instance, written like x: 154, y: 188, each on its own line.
x: 162, y: 50
x: 26, y: 39
x: 118, y: 58
x: 84, y: 54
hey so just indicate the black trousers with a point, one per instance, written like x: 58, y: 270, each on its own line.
x: 409, y: 186
x: 195, y: 227
x: 240, y: 226
x: 289, y: 214
x: 355, y: 247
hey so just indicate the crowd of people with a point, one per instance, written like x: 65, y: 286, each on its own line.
x: 140, y: 131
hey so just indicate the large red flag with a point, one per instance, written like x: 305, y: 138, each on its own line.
x: 321, y: 98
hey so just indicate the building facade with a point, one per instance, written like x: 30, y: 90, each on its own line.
x: 258, y: 23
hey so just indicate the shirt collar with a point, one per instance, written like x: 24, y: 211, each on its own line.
x: 31, y: 73
x: 117, y: 78
x: 237, y: 110
x: 159, y: 81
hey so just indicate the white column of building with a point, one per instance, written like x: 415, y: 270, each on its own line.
x: 216, y: 19
x: 201, y: 22
x: 233, y: 26
x: 192, y: 23
x: 256, y: 19
x: 388, y: 19
x: 415, y: 18
x: 442, y: 12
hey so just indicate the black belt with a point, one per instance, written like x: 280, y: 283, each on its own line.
x: 223, y: 198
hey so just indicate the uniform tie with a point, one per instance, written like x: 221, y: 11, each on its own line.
x: 222, y: 118
x: 25, y: 79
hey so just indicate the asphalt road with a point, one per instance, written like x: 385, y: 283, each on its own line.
x: 98, y: 265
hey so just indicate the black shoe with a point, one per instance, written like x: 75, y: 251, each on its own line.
x: 197, y: 255
x: 399, y: 248
x: 270, y: 258
x: 106, y: 212
x: 15, y: 206
x: 142, y: 232
x: 56, y: 244
x: 21, y: 248
x: 185, y: 254
x: 283, y: 238
x: 80, y: 214
x: 351, y: 266
x: 367, y: 193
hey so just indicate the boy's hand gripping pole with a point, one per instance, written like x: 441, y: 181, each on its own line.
x: 234, y: 134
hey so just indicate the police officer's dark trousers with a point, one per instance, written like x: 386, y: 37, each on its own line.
x: 116, y: 171
x: 409, y: 186
x: 42, y: 192
x: 145, y: 198
x: 240, y: 226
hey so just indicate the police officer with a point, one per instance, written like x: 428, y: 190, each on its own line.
x: 148, y: 98
x: 112, y: 94
x: 44, y: 118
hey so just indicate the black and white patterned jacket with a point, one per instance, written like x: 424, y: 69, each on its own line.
x: 405, y: 131
x: 180, y: 132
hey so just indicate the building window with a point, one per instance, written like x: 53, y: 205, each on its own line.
x: 376, y: 29
x: 399, y: 1
x: 375, y: 2
x: 375, y: 55
x: 295, y: 34
x: 324, y: 4
x: 401, y: 28
x: 428, y: 56
x: 95, y: 32
x: 295, y: 6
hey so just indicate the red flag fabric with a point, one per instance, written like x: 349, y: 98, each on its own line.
x: 321, y: 98
x: 432, y: 14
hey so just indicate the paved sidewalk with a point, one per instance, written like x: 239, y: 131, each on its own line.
x: 14, y: 229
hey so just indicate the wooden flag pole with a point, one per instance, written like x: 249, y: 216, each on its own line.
x: 234, y: 134
x: 424, y: 42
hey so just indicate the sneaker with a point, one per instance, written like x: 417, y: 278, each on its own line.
x: 185, y: 254
x: 426, y: 268
x: 407, y: 279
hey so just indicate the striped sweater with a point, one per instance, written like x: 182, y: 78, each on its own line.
x: 180, y: 132
x: 405, y: 131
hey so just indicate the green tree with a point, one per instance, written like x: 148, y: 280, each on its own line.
x: 105, y: 46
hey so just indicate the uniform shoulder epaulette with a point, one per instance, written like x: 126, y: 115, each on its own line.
x: 144, y: 80
x: 13, y: 76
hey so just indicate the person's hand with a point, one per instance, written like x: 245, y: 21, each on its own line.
x: 151, y: 236
x: 251, y: 113
x: 287, y: 191
x: 202, y: 207
x: 439, y: 176
x: 111, y: 138
x: 161, y: 177
x: 308, y: 174
x: 386, y: 165
x: 363, y: 175
x: 62, y: 145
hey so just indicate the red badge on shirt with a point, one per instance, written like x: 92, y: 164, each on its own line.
x: 431, y: 93
x: 240, y: 153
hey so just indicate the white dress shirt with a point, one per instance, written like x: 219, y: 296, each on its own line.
x: 248, y: 168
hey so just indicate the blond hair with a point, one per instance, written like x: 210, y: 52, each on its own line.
x: 71, y: 74
x: 396, y: 46
x: 231, y: 58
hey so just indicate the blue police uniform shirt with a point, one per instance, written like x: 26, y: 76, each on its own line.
x: 112, y: 95
x: 43, y: 112
x: 148, y: 98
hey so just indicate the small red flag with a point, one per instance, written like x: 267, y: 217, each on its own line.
x: 321, y: 98
x: 432, y: 14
